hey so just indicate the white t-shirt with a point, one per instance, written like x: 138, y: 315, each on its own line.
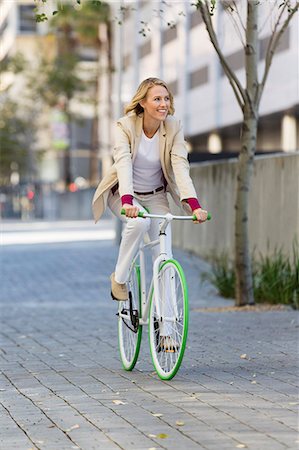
x: 147, y: 170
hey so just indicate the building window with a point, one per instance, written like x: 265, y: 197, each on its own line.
x: 127, y: 12
x: 236, y: 60
x: 145, y: 49
x: 173, y: 87
x: 284, y: 44
x: 27, y: 23
x: 126, y: 61
x: 195, y: 19
x: 168, y: 35
x: 199, y: 77
x: 88, y: 54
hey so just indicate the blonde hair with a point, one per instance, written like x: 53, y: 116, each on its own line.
x: 141, y: 93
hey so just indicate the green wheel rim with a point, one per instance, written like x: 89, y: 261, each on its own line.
x: 173, y: 371
x: 129, y: 365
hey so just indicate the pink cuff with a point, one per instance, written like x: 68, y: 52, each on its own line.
x: 193, y: 203
x: 127, y: 198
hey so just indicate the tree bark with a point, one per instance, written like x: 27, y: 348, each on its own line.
x: 243, y: 271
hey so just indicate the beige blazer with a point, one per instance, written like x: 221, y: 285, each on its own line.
x: 173, y: 156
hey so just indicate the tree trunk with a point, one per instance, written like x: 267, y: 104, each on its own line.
x: 244, y: 283
x: 94, y: 151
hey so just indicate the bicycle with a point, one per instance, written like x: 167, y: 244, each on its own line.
x: 164, y: 307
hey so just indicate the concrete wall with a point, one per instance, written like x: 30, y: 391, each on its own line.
x: 68, y: 205
x: 273, y: 207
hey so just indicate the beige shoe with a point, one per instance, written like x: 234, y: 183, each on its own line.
x: 168, y: 344
x: 119, y: 291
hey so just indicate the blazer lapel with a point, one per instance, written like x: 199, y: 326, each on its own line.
x: 138, y: 131
x: 162, y: 142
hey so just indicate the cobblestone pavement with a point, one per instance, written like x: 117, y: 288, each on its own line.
x: 61, y: 382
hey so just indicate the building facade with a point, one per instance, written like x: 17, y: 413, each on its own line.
x: 169, y: 41
x: 46, y: 150
x: 21, y: 34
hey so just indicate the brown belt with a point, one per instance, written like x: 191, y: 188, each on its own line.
x: 161, y: 188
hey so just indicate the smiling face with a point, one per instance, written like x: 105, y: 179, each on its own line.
x: 156, y: 104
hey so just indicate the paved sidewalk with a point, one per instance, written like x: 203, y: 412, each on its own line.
x: 61, y: 381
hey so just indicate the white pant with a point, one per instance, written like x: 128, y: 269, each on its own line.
x: 136, y: 228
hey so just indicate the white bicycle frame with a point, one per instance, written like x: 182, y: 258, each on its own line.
x: 163, y: 256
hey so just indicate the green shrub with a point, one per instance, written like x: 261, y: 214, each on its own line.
x: 222, y: 275
x: 275, y: 277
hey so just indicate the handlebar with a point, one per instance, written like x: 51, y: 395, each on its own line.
x: 165, y: 216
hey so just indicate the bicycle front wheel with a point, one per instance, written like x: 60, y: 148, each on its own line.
x: 129, y: 330
x: 168, y: 320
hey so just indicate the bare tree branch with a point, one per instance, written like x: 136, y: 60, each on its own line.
x: 273, y: 43
x: 276, y: 26
x: 233, y: 79
x: 239, y: 15
x: 230, y: 13
x: 269, y: 16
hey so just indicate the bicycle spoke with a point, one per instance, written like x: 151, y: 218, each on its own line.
x: 168, y: 339
x: 130, y: 333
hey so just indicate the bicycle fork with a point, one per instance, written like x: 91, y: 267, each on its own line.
x: 163, y: 300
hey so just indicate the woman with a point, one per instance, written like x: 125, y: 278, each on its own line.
x: 150, y: 158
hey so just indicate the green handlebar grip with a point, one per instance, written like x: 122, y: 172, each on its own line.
x: 208, y: 218
x: 123, y: 212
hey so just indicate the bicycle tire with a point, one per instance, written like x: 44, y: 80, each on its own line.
x: 172, y: 283
x: 129, y: 330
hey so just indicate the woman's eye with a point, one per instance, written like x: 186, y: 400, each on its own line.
x: 166, y: 99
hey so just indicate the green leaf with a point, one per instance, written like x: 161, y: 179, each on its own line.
x: 40, y: 17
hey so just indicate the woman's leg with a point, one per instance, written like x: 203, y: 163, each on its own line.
x: 132, y: 235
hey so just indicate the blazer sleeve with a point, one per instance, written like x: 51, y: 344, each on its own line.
x: 180, y: 166
x: 123, y: 160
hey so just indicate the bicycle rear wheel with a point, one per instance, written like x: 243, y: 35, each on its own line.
x: 168, y: 330
x: 129, y: 330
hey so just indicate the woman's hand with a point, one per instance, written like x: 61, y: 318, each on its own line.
x: 201, y: 215
x: 131, y: 210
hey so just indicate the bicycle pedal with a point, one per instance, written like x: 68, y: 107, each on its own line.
x: 168, y: 345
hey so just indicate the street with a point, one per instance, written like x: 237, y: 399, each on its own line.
x: 62, y: 385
